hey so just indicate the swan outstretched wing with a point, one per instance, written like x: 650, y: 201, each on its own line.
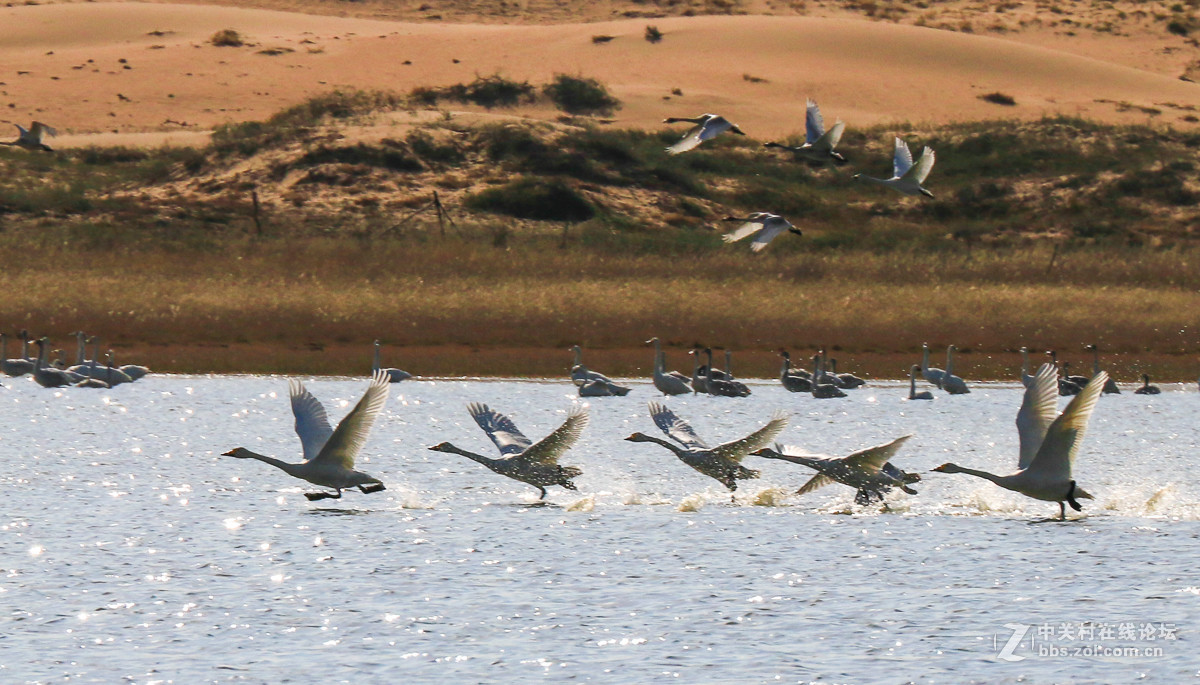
x: 816, y: 482
x: 924, y: 165
x: 746, y: 229
x: 735, y: 450
x: 901, y: 159
x: 676, y: 428
x: 834, y: 135
x: 814, y: 124
x: 872, y: 459
x: 1056, y: 457
x: 1038, y: 411
x: 504, y: 433
x: 550, y: 448
x: 38, y: 129
x: 312, y: 423
x: 351, y: 434
x: 689, y: 141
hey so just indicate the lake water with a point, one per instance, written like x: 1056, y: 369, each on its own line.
x: 133, y: 552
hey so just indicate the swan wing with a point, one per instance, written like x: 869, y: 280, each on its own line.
x: 713, y: 127
x: 312, y: 423
x: 676, y: 428
x: 735, y: 450
x: 901, y: 159
x: 872, y: 459
x: 1038, y: 411
x: 924, y: 165
x: 547, y: 450
x: 814, y: 124
x: 834, y: 135
x: 1056, y: 457
x: 773, y: 226
x: 504, y: 433
x: 38, y: 129
x: 351, y: 434
x: 815, y: 483
x: 689, y: 141
x: 742, y: 231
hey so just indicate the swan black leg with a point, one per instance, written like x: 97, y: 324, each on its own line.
x: 543, y: 492
x: 1071, y: 498
x: 314, y: 496
x: 374, y: 487
x: 1062, y: 512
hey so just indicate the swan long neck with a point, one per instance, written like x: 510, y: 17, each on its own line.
x: 729, y: 364
x: 998, y: 480
x: 912, y: 383
x: 375, y: 360
x: 80, y: 347
x: 3, y: 346
x: 469, y: 455
x: 708, y: 372
x: 924, y: 357
x: 578, y: 355
x: 1095, y: 361
x: 669, y: 445
x: 950, y: 360
x: 294, y: 470
x: 1024, y: 361
x: 41, y: 358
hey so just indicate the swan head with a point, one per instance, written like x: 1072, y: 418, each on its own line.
x: 768, y: 452
x: 443, y: 447
x: 948, y: 468
x: 640, y: 437
x: 736, y: 130
x: 239, y: 452
x: 926, y: 193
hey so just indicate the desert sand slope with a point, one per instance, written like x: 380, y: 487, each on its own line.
x: 62, y: 64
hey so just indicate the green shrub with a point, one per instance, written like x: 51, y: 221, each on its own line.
x: 540, y: 199
x: 578, y: 95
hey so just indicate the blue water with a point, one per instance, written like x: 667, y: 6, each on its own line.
x: 130, y: 550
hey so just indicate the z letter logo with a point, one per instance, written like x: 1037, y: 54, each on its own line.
x: 1006, y: 653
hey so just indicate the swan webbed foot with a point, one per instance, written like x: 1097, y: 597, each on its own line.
x: 907, y: 489
x: 374, y: 487
x: 543, y: 493
x: 314, y: 496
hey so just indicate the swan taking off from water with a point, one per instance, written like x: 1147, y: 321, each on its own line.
x: 763, y: 226
x: 1049, y: 443
x: 723, y: 462
x: 329, y: 454
x: 394, y: 375
x: 707, y: 127
x: 906, y: 176
x: 818, y: 144
x: 867, y: 471
x: 520, y: 458
x: 32, y: 139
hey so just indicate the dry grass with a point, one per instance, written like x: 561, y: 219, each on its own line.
x: 313, y: 306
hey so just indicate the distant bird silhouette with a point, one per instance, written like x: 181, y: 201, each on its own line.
x: 763, y: 226
x: 707, y: 127
x: 818, y: 144
x: 31, y: 139
x: 906, y: 176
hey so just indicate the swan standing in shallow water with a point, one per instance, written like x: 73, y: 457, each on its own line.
x: 818, y: 144
x: 867, y: 471
x: 329, y: 454
x: 723, y: 462
x: 673, y: 383
x: 912, y: 386
x: 707, y: 127
x: 763, y: 226
x: 520, y: 458
x: 31, y: 139
x: 394, y: 375
x: 1049, y: 443
x: 906, y: 176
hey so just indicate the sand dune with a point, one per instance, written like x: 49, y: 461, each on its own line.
x: 62, y: 64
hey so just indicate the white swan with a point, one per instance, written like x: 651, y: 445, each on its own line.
x: 763, y: 226
x: 722, y: 462
x: 1049, y: 443
x: 92, y: 368
x: 520, y: 458
x: 867, y: 471
x: 1026, y: 379
x: 906, y: 176
x: 1146, y: 388
x: 49, y: 377
x: 951, y: 383
x: 912, y: 386
x: 818, y: 144
x: 17, y: 366
x: 707, y: 127
x: 673, y: 383
x: 31, y: 139
x: 394, y: 375
x: 329, y: 454
x: 931, y: 374
x: 1110, y: 388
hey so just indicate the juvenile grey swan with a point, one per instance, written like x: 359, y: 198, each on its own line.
x: 906, y: 176
x: 520, y: 458
x: 867, y: 471
x: 673, y: 383
x: 328, y: 453
x: 818, y: 144
x: 723, y: 462
x: 1049, y: 442
x: 762, y: 225
x: 707, y: 127
x: 1146, y: 388
x: 394, y: 375
x: 31, y: 139
x: 912, y: 386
